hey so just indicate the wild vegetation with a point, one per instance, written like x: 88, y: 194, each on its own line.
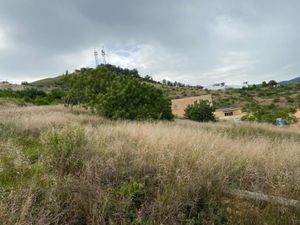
x: 268, y: 113
x: 282, y: 96
x: 200, y: 111
x: 33, y: 96
x: 67, y: 166
x: 116, y: 94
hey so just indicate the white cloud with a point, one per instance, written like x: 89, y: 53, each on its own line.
x: 233, y: 68
x: 199, y: 42
x: 148, y: 59
x: 3, y: 39
x: 76, y: 60
x: 229, y: 29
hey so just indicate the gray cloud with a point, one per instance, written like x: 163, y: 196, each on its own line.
x: 197, y: 42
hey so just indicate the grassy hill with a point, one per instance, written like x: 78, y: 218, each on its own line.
x: 292, y: 81
x: 67, y: 166
x: 48, y: 83
x: 171, y: 91
x: 282, y: 96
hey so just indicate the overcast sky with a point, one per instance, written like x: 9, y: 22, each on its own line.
x: 191, y: 41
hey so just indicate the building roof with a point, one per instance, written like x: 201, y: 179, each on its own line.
x: 229, y: 108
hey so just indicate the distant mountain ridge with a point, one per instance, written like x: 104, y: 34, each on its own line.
x: 292, y: 81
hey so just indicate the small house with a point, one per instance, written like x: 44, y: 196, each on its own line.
x: 297, y: 114
x: 229, y: 112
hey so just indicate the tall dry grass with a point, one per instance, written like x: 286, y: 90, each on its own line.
x: 67, y: 166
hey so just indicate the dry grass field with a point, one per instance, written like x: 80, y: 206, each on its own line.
x: 67, y: 166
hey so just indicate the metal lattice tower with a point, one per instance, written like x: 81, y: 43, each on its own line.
x: 96, y: 58
x: 103, y: 55
x: 246, y: 83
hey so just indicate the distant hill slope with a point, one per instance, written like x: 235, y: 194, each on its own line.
x: 287, y: 95
x: 292, y: 81
x: 48, y: 82
x: 172, y: 92
x: 7, y: 86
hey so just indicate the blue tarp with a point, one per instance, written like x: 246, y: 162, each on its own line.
x: 280, y: 123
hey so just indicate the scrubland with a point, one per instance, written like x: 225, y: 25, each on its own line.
x: 67, y: 166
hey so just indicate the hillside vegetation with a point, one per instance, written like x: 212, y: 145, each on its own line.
x: 66, y: 166
x: 287, y: 95
x: 116, y: 93
x: 280, y: 96
x: 168, y: 88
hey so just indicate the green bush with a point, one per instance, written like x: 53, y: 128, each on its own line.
x: 117, y: 94
x: 33, y: 96
x: 289, y: 99
x: 41, y: 101
x: 268, y: 113
x: 64, y: 150
x: 200, y: 111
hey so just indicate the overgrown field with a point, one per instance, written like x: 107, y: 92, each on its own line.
x: 67, y: 166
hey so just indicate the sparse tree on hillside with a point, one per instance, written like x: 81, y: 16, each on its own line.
x: 272, y: 83
x: 200, y: 111
x: 268, y: 113
x: 264, y: 84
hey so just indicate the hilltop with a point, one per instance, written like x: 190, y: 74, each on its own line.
x: 48, y: 82
x: 287, y: 95
x: 292, y: 81
x: 172, y: 89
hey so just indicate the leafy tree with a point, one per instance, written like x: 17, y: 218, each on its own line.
x: 268, y: 113
x: 24, y: 83
x: 56, y: 93
x: 200, y: 111
x: 116, y: 94
x: 272, y: 83
x: 264, y: 84
x: 32, y: 95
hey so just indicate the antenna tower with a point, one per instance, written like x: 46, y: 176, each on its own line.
x: 96, y: 58
x: 103, y: 55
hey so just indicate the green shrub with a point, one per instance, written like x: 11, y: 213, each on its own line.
x: 33, y: 95
x: 268, y: 113
x: 289, y: 99
x: 129, y: 198
x: 41, y: 101
x: 200, y: 111
x: 64, y: 150
x: 117, y: 95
